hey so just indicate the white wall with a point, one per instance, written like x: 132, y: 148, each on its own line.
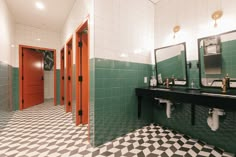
x: 124, y: 30
x: 6, y: 33
x: 80, y: 11
x: 194, y: 17
x: 27, y: 35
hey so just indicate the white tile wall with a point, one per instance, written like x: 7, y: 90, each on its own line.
x: 27, y: 35
x: 124, y: 30
x: 80, y: 11
x: 194, y: 17
x: 7, y: 33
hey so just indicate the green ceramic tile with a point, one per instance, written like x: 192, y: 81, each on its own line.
x: 58, y: 86
x: 116, y: 94
x: 15, y: 88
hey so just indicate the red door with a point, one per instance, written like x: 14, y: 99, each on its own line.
x: 82, y: 69
x: 85, y: 84
x: 62, y: 76
x: 69, y: 79
x: 33, y: 82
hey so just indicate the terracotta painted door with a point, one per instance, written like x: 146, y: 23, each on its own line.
x: 69, y: 82
x: 82, y: 86
x: 33, y: 81
x: 62, y: 77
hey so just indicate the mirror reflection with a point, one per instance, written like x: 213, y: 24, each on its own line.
x: 217, y: 59
x: 171, y: 64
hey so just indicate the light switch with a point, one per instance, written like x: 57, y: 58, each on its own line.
x: 145, y: 80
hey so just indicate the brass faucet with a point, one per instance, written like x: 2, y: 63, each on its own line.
x: 173, y: 80
x: 224, y: 85
x: 227, y: 81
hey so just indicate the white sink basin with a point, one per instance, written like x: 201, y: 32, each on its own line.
x: 220, y: 95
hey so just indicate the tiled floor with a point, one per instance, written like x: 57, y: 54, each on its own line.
x: 47, y: 131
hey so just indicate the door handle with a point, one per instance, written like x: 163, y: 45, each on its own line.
x: 42, y: 78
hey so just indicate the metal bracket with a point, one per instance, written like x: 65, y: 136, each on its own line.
x: 192, y: 114
x: 80, y: 113
x: 80, y: 78
x: 189, y: 65
x: 80, y: 44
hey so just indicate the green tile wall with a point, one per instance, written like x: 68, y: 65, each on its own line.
x: 228, y: 49
x: 115, y: 107
x: 5, y: 95
x: 224, y: 137
x: 15, y: 88
x: 92, y: 100
x: 172, y: 66
x: 58, y: 86
x: 4, y: 87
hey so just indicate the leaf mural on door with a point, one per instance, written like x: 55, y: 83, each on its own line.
x: 48, y: 59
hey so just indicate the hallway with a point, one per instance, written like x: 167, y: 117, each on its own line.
x: 42, y: 130
x: 46, y: 130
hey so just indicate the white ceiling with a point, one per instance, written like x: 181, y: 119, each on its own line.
x: 155, y: 1
x: 52, y: 17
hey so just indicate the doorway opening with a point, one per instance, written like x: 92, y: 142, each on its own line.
x: 82, y: 73
x: 69, y: 62
x: 37, y: 66
x: 62, y: 75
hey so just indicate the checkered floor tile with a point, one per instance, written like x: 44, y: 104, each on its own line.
x: 47, y: 131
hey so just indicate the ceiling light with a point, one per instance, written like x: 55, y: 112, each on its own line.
x: 39, y: 5
x: 38, y: 39
x: 124, y: 55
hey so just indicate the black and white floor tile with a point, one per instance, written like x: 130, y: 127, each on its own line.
x: 47, y: 131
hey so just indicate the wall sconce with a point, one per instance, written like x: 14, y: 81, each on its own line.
x: 216, y: 15
x: 176, y: 29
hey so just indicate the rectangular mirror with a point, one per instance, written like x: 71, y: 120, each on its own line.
x: 171, y: 63
x: 217, y: 55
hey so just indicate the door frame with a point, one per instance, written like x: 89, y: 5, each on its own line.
x: 68, y: 93
x: 21, y: 72
x: 62, y: 81
x: 81, y: 27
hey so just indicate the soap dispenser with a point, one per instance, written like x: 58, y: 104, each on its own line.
x: 153, y: 81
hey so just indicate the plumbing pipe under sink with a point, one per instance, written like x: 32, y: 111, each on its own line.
x: 213, y: 118
x: 168, y: 106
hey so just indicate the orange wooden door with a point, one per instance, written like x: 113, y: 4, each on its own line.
x: 69, y: 79
x: 82, y: 86
x: 33, y: 74
x: 85, y: 82
x: 62, y: 77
